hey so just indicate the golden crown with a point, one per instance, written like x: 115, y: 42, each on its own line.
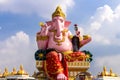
x: 58, y: 12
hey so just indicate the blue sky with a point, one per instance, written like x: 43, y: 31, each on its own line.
x: 19, y: 23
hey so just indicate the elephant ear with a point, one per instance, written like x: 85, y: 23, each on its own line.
x: 67, y: 23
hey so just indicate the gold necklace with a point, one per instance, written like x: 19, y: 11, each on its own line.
x: 63, y: 38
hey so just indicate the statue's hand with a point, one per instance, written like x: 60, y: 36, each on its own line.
x: 44, y: 29
x: 86, y: 39
x: 61, y: 76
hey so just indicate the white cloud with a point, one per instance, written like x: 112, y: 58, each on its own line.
x: 104, y: 25
x: 16, y: 50
x: 95, y: 25
x: 15, y: 42
x: 101, y: 40
x: 105, y: 31
x: 43, y: 8
x: 102, y: 14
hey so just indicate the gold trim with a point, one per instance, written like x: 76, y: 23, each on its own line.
x: 63, y: 36
x: 41, y: 55
x: 67, y: 52
x: 41, y: 24
x: 86, y: 37
x: 75, y: 58
x: 70, y: 36
x: 41, y: 38
x: 52, y: 30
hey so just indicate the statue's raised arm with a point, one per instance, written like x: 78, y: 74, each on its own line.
x: 42, y: 36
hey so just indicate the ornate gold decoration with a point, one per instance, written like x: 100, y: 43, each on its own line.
x: 0, y: 74
x: 105, y: 73
x: 40, y: 55
x: 41, y: 24
x: 86, y: 37
x: 6, y: 73
x: 14, y: 71
x: 21, y: 71
x: 70, y: 36
x: 58, y: 12
x: 63, y: 36
x: 67, y: 52
x: 76, y: 58
x: 41, y: 38
x: 112, y: 74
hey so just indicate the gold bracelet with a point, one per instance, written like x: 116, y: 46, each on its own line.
x: 41, y: 38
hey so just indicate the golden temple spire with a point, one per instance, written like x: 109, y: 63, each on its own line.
x: 58, y: 12
x: 21, y: 71
x: 104, y: 68
x: 105, y: 73
x: 5, y: 73
x: 0, y: 74
x: 14, y: 71
x: 111, y: 71
x: 112, y: 74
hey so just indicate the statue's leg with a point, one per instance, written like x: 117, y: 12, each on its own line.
x: 53, y: 65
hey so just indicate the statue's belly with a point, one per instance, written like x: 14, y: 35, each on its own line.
x: 63, y: 46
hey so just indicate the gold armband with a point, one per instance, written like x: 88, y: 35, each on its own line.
x: 41, y: 38
x: 86, y: 37
x: 70, y: 36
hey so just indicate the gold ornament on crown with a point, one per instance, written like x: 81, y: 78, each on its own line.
x: 58, y: 12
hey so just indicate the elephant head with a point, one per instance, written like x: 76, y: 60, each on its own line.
x: 58, y: 24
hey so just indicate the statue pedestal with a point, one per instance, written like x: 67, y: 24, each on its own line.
x: 74, y: 68
x: 77, y: 67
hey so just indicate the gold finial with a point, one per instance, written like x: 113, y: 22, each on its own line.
x: 104, y: 68
x: 21, y: 67
x: 111, y: 71
x: 41, y: 24
x: 0, y: 74
x: 21, y: 71
x: 14, y: 71
x: 105, y: 71
x: 6, y: 73
x: 58, y: 12
x: 112, y: 74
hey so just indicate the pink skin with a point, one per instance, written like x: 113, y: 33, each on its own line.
x: 43, y: 32
x: 59, y: 24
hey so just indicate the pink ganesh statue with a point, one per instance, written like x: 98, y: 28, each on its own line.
x: 57, y: 46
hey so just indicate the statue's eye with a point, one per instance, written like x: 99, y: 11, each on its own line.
x: 61, y: 20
